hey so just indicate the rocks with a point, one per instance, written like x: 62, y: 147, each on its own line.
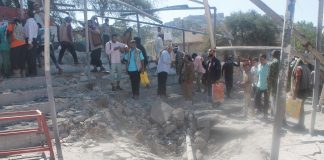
x: 199, y: 155
x: 199, y: 143
x: 179, y: 115
x: 161, y: 112
x: 123, y: 155
x: 204, y: 133
x: 79, y: 118
x: 203, y: 122
x: 139, y: 135
x: 169, y: 127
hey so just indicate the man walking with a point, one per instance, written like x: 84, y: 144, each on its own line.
x: 113, y: 50
x: 301, y: 88
x: 95, y: 45
x: 163, y: 68
x: 199, y: 70
x: 262, y: 87
x: 273, y: 78
x: 66, y: 40
x: 227, y: 71
x: 31, y: 31
x: 213, y: 71
x: 134, y: 65
x: 105, y: 30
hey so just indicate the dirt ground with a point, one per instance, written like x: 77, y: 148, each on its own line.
x: 96, y: 123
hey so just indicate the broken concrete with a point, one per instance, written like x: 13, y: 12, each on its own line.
x: 161, y: 112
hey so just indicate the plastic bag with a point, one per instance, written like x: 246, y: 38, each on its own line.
x: 144, y: 79
x: 218, y: 92
x: 293, y: 107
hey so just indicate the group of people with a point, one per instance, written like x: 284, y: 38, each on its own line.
x: 19, y: 45
x: 22, y: 43
x: 260, y: 79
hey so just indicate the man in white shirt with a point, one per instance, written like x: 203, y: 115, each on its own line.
x: 158, y: 46
x: 31, y: 32
x: 114, y: 56
x: 163, y: 69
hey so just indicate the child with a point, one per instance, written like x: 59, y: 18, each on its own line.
x: 247, y: 86
x: 187, y: 77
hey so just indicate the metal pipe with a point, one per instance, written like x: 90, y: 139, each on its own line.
x: 48, y: 77
x: 138, y: 26
x: 183, y: 38
x: 317, y: 65
x: 247, y: 48
x: 215, y: 16
x: 282, y: 79
x: 209, y: 25
x: 129, y: 11
x: 138, y: 10
x: 160, y: 25
x: 87, y: 38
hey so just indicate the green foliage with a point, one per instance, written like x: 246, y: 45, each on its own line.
x: 309, y: 30
x: 251, y: 28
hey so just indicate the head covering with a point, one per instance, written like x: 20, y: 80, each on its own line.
x: 67, y: 19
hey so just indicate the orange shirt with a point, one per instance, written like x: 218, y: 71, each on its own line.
x: 14, y: 42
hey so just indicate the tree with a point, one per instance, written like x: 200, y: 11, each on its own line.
x: 251, y: 28
x: 309, y: 30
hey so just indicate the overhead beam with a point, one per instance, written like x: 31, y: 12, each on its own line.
x: 138, y: 11
x: 279, y: 20
x: 247, y: 48
x: 159, y: 25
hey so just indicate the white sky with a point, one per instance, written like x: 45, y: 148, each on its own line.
x: 304, y: 10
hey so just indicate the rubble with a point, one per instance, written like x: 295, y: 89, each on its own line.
x: 161, y: 112
x: 203, y: 122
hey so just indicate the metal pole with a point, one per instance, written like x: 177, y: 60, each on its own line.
x: 279, y: 20
x: 87, y: 38
x: 183, y: 38
x: 215, y: 16
x: 160, y: 25
x: 49, y: 81
x: 209, y: 24
x: 281, y: 88
x: 138, y: 10
x: 317, y: 65
x: 21, y: 9
x: 138, y: 26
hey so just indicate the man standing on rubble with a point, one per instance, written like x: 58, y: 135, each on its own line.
x: 134, y: 66
x: 31, y: 32
x: 163, y: 68
x: 113, y: 50
x: 213, y: 71
x: 227, y: 71
x: 66, y: 40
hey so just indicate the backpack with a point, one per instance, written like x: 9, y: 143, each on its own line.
x: 306, y: 78
x: 18, y: 32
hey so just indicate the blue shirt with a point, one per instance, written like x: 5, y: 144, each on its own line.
x: 164, y: 63
x: 263, y: 71
x: 132, y: 62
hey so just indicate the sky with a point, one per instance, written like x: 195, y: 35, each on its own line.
x: 304, y: 9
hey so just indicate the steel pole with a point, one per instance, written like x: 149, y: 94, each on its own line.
x: 183, y: 38
x: 87, y: 38
x: 209, y: 24
x: 49, y: 81
x: 138, y: 26
x: 281, y: 87
x: 317, y: 66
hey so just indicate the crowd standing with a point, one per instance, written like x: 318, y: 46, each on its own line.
x: 22, y: 44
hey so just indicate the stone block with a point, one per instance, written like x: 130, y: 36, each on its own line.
x: 203, y: 122
x: 161, y: 112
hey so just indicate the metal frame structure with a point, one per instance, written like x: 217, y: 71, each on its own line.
x: 41, y: 129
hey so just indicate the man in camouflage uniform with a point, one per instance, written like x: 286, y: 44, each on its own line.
x: 273, y: 78
x: 178, y: 59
